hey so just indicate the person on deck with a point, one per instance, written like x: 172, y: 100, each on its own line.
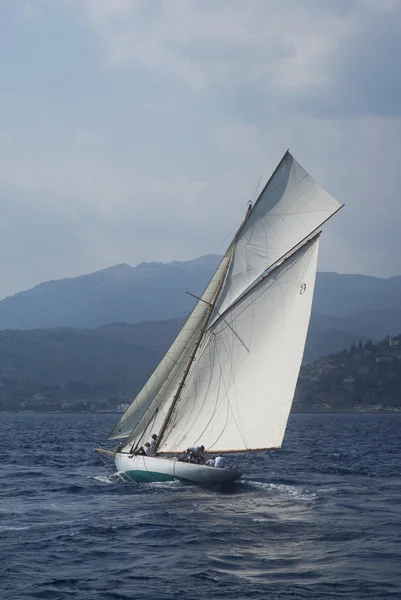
x: 153, y: 444
x: 196, y: 454
x: 193, y: 458
x: 220, y: 461
x: 210, y: 462
x: 149, y: 449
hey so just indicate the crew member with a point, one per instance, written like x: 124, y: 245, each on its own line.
x: 220, y: 461
x: 153, y: 444
x: 197, y: 454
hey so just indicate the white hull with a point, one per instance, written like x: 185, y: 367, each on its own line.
x: 143, y: 469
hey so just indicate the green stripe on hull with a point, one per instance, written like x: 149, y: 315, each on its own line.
x: 147, y: 476
x: 139, y: 476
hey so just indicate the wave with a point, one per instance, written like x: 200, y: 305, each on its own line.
x: 44, y: 525
x: 108, y: 479
x: 278, y: 489
x: 168, y: 485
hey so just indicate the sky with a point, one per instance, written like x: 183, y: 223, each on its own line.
x: 137, y: 130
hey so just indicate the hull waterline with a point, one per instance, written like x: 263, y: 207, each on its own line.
x: 142, y: 469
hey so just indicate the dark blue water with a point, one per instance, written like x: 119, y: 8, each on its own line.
x: 320, y: 519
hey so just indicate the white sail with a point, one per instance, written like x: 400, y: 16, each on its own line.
x: 291, y: 207
x: 160, y: 387
x: 240, y: 389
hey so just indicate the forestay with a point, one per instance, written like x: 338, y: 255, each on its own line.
x: 147, y: 407
x: 240, y: 389
x: 291, y: 207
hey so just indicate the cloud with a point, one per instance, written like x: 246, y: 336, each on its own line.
x: 326, y: 58
x: 145, y: 137
x: 209, y: 43
x: 289, y: 74
x: 364, y: 74
x: 288, y: 43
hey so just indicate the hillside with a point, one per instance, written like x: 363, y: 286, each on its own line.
x: 365, y: 377
x: 324, y: 339
x: 47, y: 368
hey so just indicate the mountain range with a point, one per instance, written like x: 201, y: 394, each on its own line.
x: 358, y: 305
x: 151, y: 291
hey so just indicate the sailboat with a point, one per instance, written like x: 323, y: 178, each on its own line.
x: 228, y: 380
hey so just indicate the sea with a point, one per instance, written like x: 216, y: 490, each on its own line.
x: 320, y: 518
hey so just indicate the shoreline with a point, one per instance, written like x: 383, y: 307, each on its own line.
x: 299, y: 411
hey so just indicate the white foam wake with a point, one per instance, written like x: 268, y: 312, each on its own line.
x: 287, y: 491
x: 109, y: 479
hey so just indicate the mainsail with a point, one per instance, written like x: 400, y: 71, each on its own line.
x: 239, y: 393
x: 228, y: 380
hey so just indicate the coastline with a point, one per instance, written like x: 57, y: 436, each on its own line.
x: 295, y: 411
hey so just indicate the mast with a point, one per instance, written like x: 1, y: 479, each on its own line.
x: 202, y: 332
x: 182, y: 382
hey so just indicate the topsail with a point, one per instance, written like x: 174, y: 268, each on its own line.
x: 289, y: 209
